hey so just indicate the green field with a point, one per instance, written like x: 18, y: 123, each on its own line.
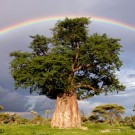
x: 93, y: 129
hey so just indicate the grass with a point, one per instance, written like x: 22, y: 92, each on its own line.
x: 93, y: 129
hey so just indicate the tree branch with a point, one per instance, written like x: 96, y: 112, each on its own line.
x: 81, y: 67
x: 75, y: 57
x: 85, y: 86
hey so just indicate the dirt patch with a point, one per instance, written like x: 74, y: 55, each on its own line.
x: 84, y: 128
x: 105, y: 131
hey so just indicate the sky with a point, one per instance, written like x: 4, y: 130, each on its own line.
x: 114, y: 12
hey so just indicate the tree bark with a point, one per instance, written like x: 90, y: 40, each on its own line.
x: 66, y: 114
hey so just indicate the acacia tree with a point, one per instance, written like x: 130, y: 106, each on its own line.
x: 1, y: 107
x: 109, y: 112
x: 134, y: 108
x: 47, y: 112
x: 68, y: 66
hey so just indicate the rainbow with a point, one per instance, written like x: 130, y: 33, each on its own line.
x: 47, y: 19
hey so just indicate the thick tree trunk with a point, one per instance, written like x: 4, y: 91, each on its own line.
x: 66, y: 114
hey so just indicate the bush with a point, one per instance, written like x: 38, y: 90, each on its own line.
x: 94, y: 118
x: 129, y: 121
x: 40, y: 121
x: 12, y: 119
x: 3, y: 117
x: 132, y: 126
x: 1, y: 131
x: 84, y: 118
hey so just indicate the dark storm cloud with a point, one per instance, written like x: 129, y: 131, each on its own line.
x: 14, y: 41
x: 12, y: 101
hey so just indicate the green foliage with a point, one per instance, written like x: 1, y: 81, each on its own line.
x: 109, y: 113
x: 70, y: 32
x: 70, y: 61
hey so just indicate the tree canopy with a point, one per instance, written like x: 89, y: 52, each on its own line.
x: 108, y: 112
x: 71, y: 61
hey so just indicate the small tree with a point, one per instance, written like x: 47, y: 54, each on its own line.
x: 68, y: 66
x: 34, y: 113
x: 134, y: 109
x: 1, y: 107
x: 83, y: 117
x: 47, y: 112
x: 109, y: 112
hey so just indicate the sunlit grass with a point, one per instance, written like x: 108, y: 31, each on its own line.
x: 93, y: 129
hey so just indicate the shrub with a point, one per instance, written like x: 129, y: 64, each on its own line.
x: 39, y: 121
x: 12, y: 119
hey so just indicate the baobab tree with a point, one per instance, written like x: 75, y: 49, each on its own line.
x: 68, y: 66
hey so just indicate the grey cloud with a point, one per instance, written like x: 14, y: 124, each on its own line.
x: 13, y: 41
x: 113, y: 9
x: 86, y: 106
x: 40, y: 103
x: 17, y: 10
x: 125, y: 98
x: 124, y: 76
x: 131, y: 75
x: 12, y: 101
